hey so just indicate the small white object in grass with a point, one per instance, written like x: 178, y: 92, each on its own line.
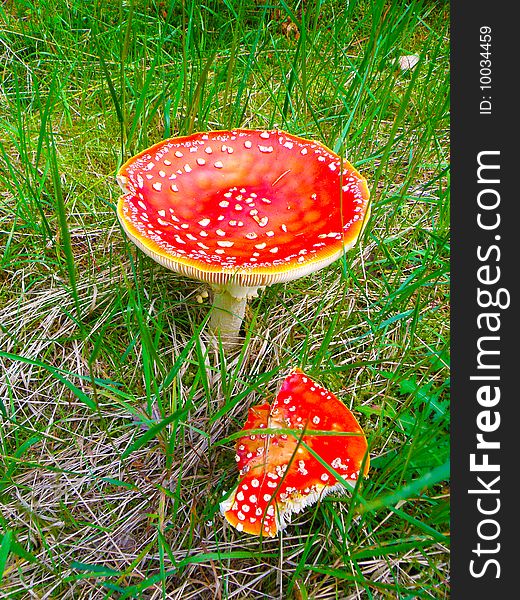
x: 408, y: 62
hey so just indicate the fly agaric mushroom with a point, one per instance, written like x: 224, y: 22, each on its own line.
x: 241, y: 210
x: 279, y: 475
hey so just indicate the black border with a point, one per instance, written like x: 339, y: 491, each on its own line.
x: 472, y: 132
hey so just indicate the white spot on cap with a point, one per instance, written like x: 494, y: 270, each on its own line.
x: 220, y: 232
x: 248, y: 143
x: 266, y: 149
x: 179, y: 154
x: 225, y: 244
x: 157, y: 186
x: 167, y: 162
x: 274, y: 250
x: 187, y: 168
x: 251, y: 235
x: 162, y: 174
x: 208, y: 150
x: 288, y: 145
x: 174, y: 188
x: 218, y: 164
x: 223, y: 204
x: 239, y: 527
x: 303, y: 151
x: 204, y: 222
x: 255, y: 483
x: 264, y: 135
x: 201, y: 162
x: 261, y: 246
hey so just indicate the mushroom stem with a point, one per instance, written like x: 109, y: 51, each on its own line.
x: 227, y: 316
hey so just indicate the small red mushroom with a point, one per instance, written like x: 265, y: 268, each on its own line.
x: 278, y: 474
x: 241, y: 210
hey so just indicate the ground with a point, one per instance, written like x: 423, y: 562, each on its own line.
x: 117, y: 413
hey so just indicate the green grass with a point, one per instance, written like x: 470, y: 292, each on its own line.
x: 114, y: 409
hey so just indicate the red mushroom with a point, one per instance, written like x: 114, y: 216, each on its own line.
x: 279, y: 475
x: 241, y: 210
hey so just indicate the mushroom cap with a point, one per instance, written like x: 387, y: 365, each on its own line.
x: 242, y: 208
x: 278, y: 474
